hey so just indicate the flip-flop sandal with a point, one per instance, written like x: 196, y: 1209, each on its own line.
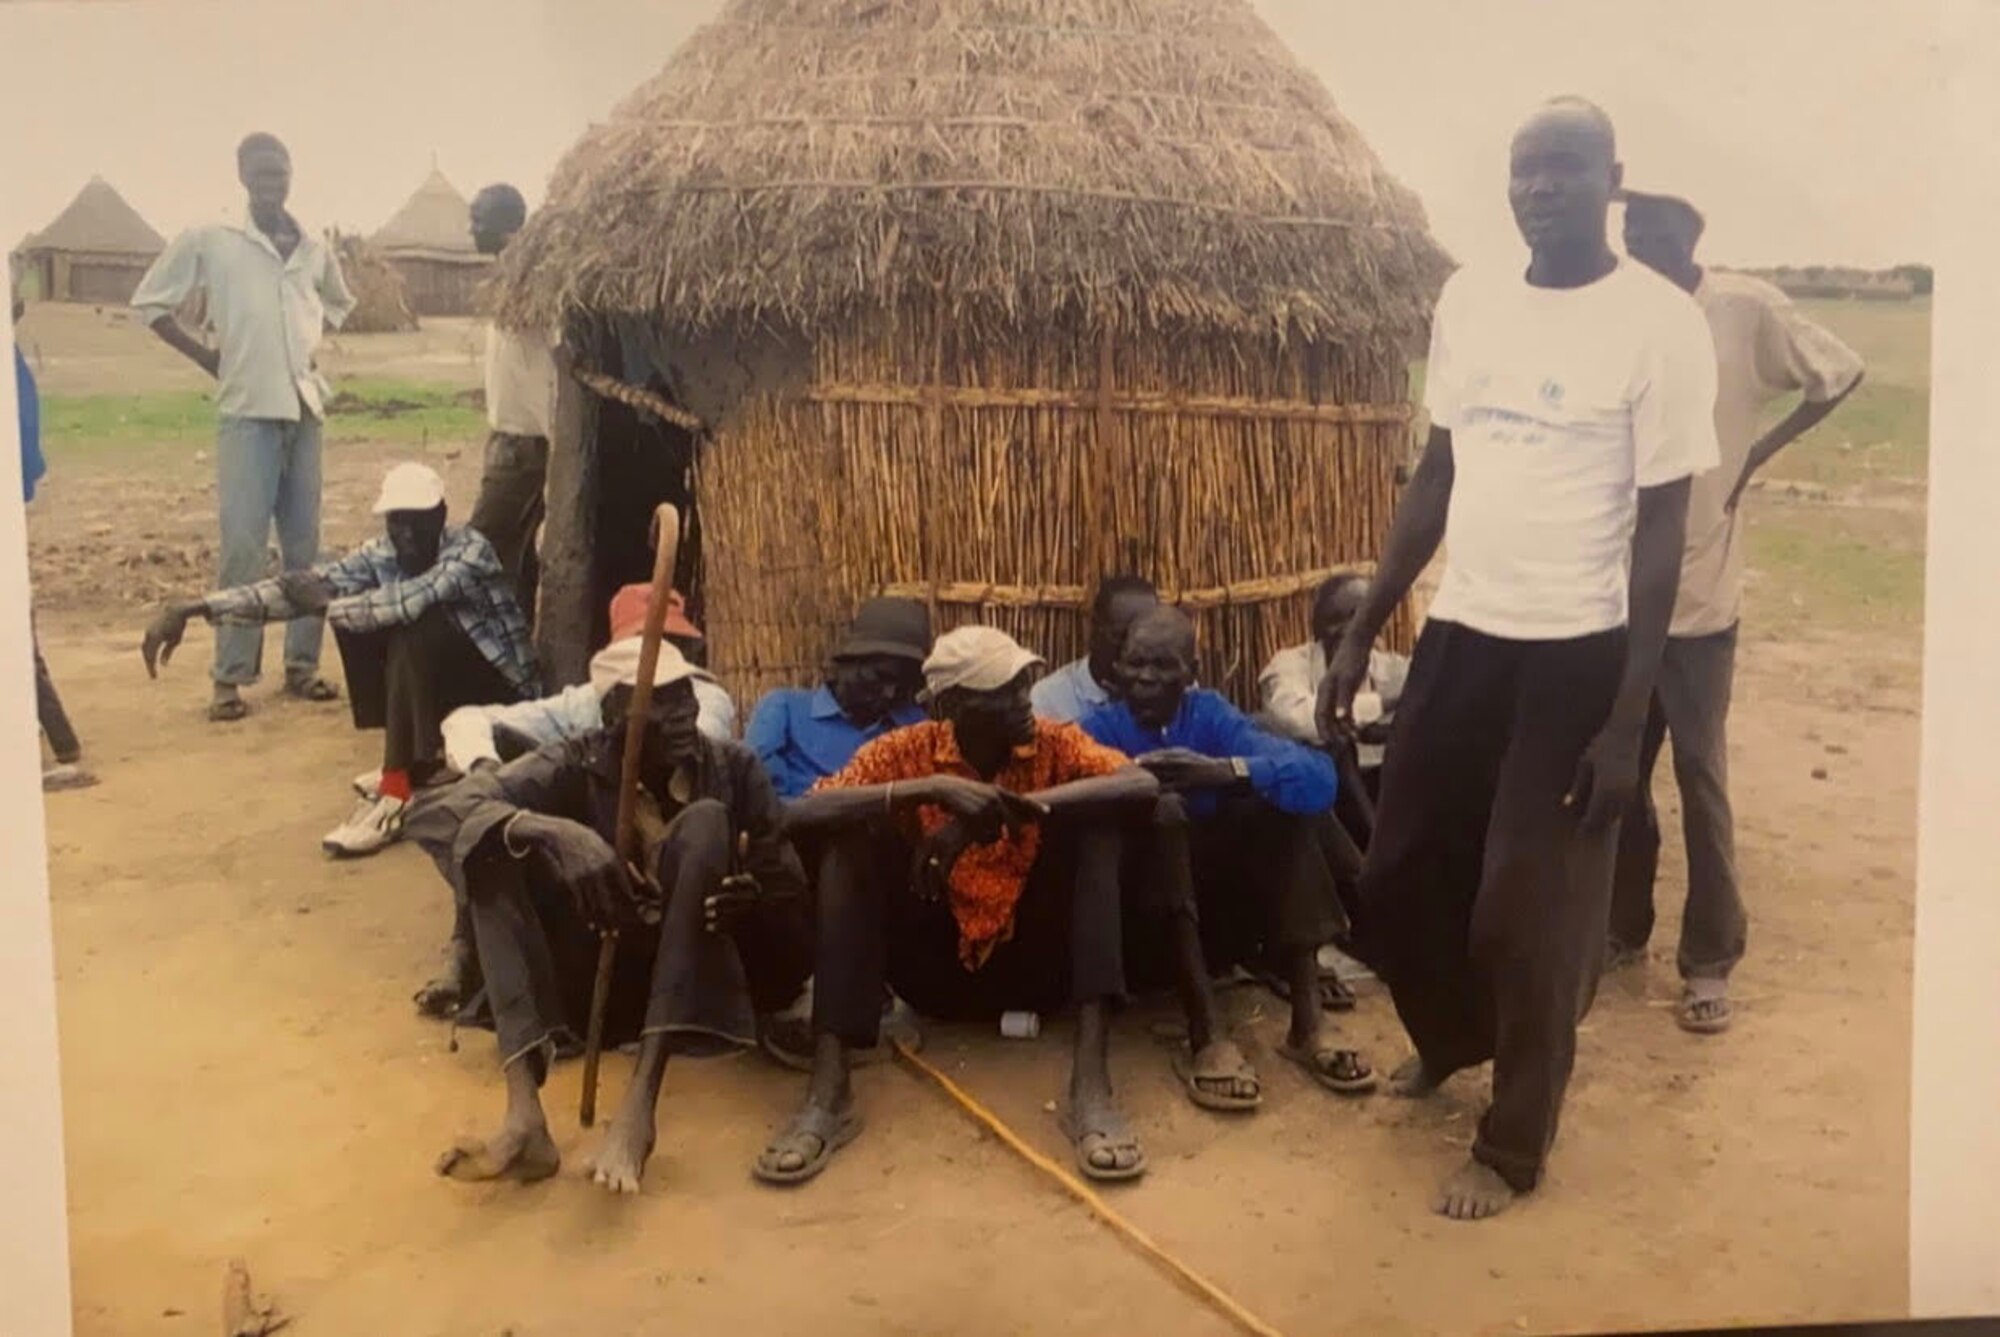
x: 438, y: 1000
x: 1619, y: 958
x: 66, y: 776
x: 1191, y: 1075
x: 1340, y: 1071
x: 312, y: 689
x: 1084, y: 1141
x: 832, y: 1131
x: 1334, y: 995
x: 1704, y: 1012
x: 470, y: 1162
x: 228, y: 712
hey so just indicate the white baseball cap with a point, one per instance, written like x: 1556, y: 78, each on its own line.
x: 617, y: 664
x: 410, y: 487
x: 978, y: 659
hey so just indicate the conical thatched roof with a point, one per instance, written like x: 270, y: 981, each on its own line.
x: 98, y: 219
x: 1135, y: 162
x: 435, y: 221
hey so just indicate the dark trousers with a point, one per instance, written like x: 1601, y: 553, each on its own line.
x: 703, y: 990
x: 49, y: 710
x: 511, y: 505
x: 1484, y: 903
x: 875, y: 930
x: 1258, y: 878
x: 404, y: 680
x: 1691, y: 705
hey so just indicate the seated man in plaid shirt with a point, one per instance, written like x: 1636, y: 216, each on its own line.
x: 426, y: 621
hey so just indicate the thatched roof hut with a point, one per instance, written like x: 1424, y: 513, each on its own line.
x: 96, y: 250
x: 979, y: 300
x: 381, y: 303
x: 429, y: 241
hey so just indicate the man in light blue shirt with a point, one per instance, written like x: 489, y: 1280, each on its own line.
x: 1082, y: 685
x: 270, y: 289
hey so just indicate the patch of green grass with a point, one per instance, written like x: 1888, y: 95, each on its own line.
x: 1881, y: 433
x: 372, y: 409
x: 1816, y: 566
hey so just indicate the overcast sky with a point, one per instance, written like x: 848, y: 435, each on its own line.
x: 1802, y: 126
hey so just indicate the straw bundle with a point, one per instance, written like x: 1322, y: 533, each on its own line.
x: 1086, y: 285
x: 381, y: 303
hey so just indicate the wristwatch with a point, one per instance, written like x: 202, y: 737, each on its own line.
x: 1239, y: 768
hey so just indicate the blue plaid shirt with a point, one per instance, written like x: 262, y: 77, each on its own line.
x: 372, y: 593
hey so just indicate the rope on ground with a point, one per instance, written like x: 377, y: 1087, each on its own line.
x: 1202, y: 1287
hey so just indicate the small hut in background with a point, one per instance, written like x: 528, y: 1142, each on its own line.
x: 429, y: 241
x: 381, y: 303
x: 95, y: 251
x: 976, y: 301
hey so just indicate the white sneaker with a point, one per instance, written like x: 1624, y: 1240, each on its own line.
x: 1344, y: 967
x: 372, y: 827
x: 368, y: 784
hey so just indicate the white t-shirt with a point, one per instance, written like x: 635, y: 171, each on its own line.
x: 520, y: 383
x: 1561, y: 404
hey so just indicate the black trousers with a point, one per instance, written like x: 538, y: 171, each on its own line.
x: 1259, y: 879
x: 1485, y: 904
x: 404, y: 680
x: 510, y: 507
x: 875, y: 930
x: 1691, y: 705
x: 49, y: 709
x: 703, y: 990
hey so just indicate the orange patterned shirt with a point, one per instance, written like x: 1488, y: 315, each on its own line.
x: 988, y: 879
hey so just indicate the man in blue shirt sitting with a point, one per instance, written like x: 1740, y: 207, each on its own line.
x: 802, y: 736
x: 1247, y: 840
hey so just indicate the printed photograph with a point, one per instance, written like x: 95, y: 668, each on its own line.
x: 996, y: 666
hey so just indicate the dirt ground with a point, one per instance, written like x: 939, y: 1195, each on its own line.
x: 243, y: 1073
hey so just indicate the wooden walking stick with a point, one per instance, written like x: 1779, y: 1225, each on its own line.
x: 667, y: 543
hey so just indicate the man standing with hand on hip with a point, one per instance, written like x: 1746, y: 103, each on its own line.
x: 1570, y: 406
x: 271, y: 288
x: 1765, y: 350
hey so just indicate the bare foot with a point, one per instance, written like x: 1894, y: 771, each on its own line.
x: 524, y: 1153
x: 621, y: 1158
x: 1473, y: 1193
x: 1413, y: 1081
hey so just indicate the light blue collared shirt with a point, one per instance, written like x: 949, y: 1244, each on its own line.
x: 1069, y: 693
x: 268, y: 311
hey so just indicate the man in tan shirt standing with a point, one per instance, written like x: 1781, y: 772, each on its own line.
x: 520, y: 400
x: 1765, y: 349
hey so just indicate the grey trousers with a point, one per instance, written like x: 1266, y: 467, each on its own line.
x: 1690, y: 705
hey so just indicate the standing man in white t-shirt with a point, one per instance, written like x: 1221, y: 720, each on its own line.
x: 1570, y: 406
x: 520, y: 402
x: 1766, y: 350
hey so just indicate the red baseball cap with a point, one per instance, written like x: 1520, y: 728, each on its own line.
x: 628, y: 614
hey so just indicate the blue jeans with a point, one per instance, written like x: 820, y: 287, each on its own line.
x: 266, y: 471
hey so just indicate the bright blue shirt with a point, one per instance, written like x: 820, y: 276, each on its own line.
x: 801, y: 736
x: 1289, y: 776
x: 32, y: 465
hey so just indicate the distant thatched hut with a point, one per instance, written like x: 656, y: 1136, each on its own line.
x: 429, y: 241
x: 96, y: 250
x: 381, y: 306
x: 977, y: 300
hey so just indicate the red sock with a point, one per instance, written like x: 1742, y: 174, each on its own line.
x: 396, y: 784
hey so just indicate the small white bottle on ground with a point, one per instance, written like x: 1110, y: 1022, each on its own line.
x: 1020, y: 1025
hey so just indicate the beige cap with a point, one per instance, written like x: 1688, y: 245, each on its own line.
x: 410, y: 487
x: 978, y: 659
x: 618, y: 663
